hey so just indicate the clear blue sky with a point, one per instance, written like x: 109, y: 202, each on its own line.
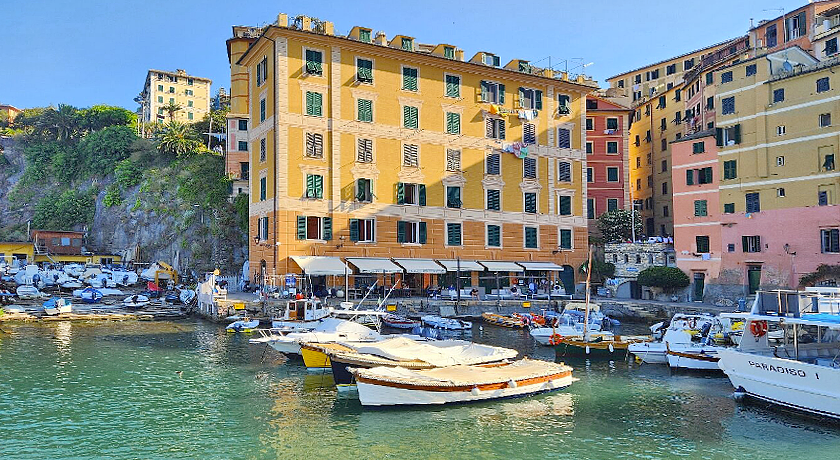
x: 85, y: 52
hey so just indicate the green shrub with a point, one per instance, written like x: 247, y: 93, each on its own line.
x: 128, y: 174
x: 112, y: 196
x: 240, y: 203
x: 667, y: 278
x: 63, y: 211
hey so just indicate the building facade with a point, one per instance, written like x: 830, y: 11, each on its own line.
x: 361, y: 146
x: 630, y: 259
x: 191, y: 93
x: 794, y: 28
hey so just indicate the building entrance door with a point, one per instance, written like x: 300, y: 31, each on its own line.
x: 699, y: 285
x: 753, y: 278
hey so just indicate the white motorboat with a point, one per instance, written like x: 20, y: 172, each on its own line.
x: 439, y: 322
x: 655, y: 352
x: 136, y: 301
x: 57, y: 306
x: 396, y: 386
x: 124, y: 277
x: 301, y: 314
x: 288, y: 340
x: 28, y: 292
x: 789, y: 358
x: 71, y: 283
x: 243, y: 325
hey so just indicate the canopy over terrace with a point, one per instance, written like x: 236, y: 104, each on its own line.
x: 374, y: 265
x: 321, y: 265
x: 452, y: 265
x: 420, y: 266
x: 500, y: 266
x: 541, y: 266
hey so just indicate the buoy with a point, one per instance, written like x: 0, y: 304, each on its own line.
x: 475, y: 391
x: 611, y: 348
x: 512, y: 383
x: 587, y: 349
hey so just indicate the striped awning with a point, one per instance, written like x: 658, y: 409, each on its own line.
x: 374, y: 265
x: 499, y: 266
x: 420, y: 266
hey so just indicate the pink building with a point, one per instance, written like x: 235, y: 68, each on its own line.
x: 697, y: 224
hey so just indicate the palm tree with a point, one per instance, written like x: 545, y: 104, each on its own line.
x: 178, y: 139
x: 171, y: 108
x: 61, y: 124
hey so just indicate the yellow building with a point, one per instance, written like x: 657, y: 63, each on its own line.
x: 363, y: 146
x: 15, y: 250
x: 191, y: 93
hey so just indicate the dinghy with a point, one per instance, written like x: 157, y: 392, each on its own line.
x: 399, y: 322
x: 28, y: 293
x: 445, y: 323
x: 89, y: 295
x: 57, y: 306
x: 243, y: 325
x: 136, y: 301
x: 395, y: 386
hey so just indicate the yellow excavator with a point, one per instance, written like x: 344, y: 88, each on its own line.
x: 166, y: 272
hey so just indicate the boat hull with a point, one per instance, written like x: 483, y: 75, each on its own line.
x: 341, y: 375
x: 374, y: 394
x: 788, y: 383
x: 704, y: 359
x: 314, y: 359
x: 649, y: 352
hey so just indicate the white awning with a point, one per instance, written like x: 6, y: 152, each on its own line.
x: 451, y: 265
x: 420, y: 266
x: 498, y: 266
x: 541, y: 266
x: 374, y: 265
x: 321, y: 265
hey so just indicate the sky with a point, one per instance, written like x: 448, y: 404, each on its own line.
x: 86, y: 52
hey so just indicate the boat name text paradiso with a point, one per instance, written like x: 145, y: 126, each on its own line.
x: 781, y: 370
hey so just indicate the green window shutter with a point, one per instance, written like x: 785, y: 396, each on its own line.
x: 531, y: 202
x: 453, y: 87
x: 689, y: 177
x: 494, y: 236
x: 410, y: 117
x: 502, y: 129
x: 364, y: 70
x: 400, y: 193
x: 422, y: 232
x: 309, y: 98
x: 453, y: 123
x: 501, y: 94
x: 565, y: 205
x: 409, y: 79
x: 719, y: 137
x: 327, y: 228
x: 521, y: 97
x: 364, y: 36
x: 453, y: 234
x: 565, y: 239
x: 310, y: 186
x: 365, y: 108
x: 729, y: 208
x: 400, y: 231
x: 421, y: 200
x: 538, y: 97
x: 360, y: 189
x: 354, y: 229
x: 737, y: 134
x: 317, y: 101
x: 493, y: 200
x: 453, y: 197
x: 319, y: 186
x: 530, y: 237
x: 301, y: 227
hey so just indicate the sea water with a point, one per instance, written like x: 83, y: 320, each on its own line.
x: 186, y: 389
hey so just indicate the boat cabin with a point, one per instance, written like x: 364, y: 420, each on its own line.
x: 305, y: 310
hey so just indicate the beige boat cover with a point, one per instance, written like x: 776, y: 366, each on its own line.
x: 437, y: 353
x: 465, y: 375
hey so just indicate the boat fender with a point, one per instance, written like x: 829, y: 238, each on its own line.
x: 611, y: 348
x: 475, y: 391
x: 587, y: 349
x: 758, y: 328
x: 511, y: 383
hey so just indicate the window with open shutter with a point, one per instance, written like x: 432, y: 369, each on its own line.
x: 449, y: 52
x: 410, y: 155
x: 314, y: 145
x: 453, y: 160
x: 401, y: 231
x: 531, y: 237
x: 365, y: 151
x: 453, y: 234
x: 314, y: 186
x: 494, y: 164
x: 564, y: 138
x: 327, y: 228
x: 313, y: 104
x: 364, y: 191
x: 564, y: 171
x: 410, y: 117
x: 494, y: 236
x: 364, y: 35
x: 313, y: 62
x: 409, y: 79
x: 453, y: 197
x: 364, y: 70
x: 529, y: 133
x: 563, y: 106
x: 453, y: 86
x: 354, y: 229
x: 421, y: 232
x: 531, y: 202
x: 301, y: 227
x: 564, y: 205
x: 494, y: 200
x: 365, y: 108
x: 453, y: 123
x: 565, y: 238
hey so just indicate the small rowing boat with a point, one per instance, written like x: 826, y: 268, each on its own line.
x: 502, y: 320
x: 399, y: 322
x: 440, y: 322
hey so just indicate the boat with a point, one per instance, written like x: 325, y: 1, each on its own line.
x: 71, y: 284
x: 502, y: 320
x: 571, y: 323
x: 396, y: 386
x: 88, y: 295
x: 288, y: 340
x: 655, y: 351
x: 187, y: 296
x: 789, y: 354
x: 399, y: 322
x: 302, y: 314
x: 136, y: 301
x: 243, y: 325
x: 28, y: 292
x: 410, y: 353
x: 55, y: 306
x: 440, y: 322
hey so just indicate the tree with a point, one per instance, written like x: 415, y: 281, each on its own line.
x: 178, y: 139
x: 665, y: 278
x: 60, y: 124
x: 171, y: 107
x: 103, y: 149
x: 615, y: 225
x: 203, y: 126
x: 102, y: 116
x: 600, y: 270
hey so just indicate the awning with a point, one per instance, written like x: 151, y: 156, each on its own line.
x: 541, y: 266
x: 374, y: 265
x: 420, y: 266
x: 451, y: 265
x: 321, y: 265
x: 498, y: 266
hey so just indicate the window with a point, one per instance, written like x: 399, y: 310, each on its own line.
x: 407, y: 44
x: 830, y: 240
x: 612, y: 174
x: 825, y: 120
x: 563, y: 104
x: 565, y: 238
x: 160, y: 87
x: 364, y: 190
x: 160, y: 99
x: 710, y: 78
x: 590, y: 208
x: 364, y: 70
x: 730, y: 247
x: 654, y: 74
x: 822, y: 198
x: 704, y: 175
x: 671, y: 69
x: 564, y: 138
x: 780, y: 130
x: 828, y: 162
x: 531, y: 237
x: 411, y: 155
x: 710, y: 103
x: 314, y: 186
x: 495, y: 128
x: 263, y: 228
x: 411, y: 232
x: 638, y: 184
x: 770, y: 36
x: 243, y: 125
x: 751, y: 243
x: 314, y: 228
x: 730, y: 169
x: 453, y: 234
x: 612, y: 204
x: 665, y: 213
x: 702, y: 242
x: 638, y: 162
x: 564, y: 171
x: 700, y: 208
x: 780, y: 192
x: 453, y: 86
x: 262, y: 150
x: 822, y: 85
x: 530, y: 98
x: 677, y: 95
x: 664, y: 166
x: 728, y: 136
x: 662, y: 102
x: 314, y: 145
x: 830, y: 47
x: 689, y: 63
x: 453, y: 197
x: 262, y: 71
x: 530, y: 202
x: 494, y: 198
x: 262, y: 110
x: 314, y: 60
x: 698, y: 147
x: 778, y: 95
x: 243, y: 146
x: 453, y: 160
x: 612, y: 123
x: 409, y: 82
x: 564, y: 205
x: 314, y: 104
x: 780, y: 161
x: 753, y: 202
x: 364, y: 35
x: 263, y: 188
x: 529, y: 168
x: 449, y: 52
x: 172, y: 89
x: 362, y: 230
x: 411, y: 119
x: 664, y: 188
x: 590, y: 124
x: 729, y: 208
x: 414, y: 194
x: 494, y: 166
x: 189, y: 103
x: 589, y: 147
x: 492, y: 92
x: 364, y: 108
x: 663, y: 124
x: 494, y: 236
x: 728, y: 105
x: 189, y: 92
x: 364, y: 152
x: 529, y: 133
x: 612, y: 147
x: 726, y: 77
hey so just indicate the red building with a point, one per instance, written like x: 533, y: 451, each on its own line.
x: 58, y: 242
x: 607, y: 131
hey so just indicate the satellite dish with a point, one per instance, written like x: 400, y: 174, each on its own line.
x: 787, y: 67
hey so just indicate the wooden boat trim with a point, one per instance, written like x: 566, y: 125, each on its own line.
x: 697, y: 356
x: 463, y: 388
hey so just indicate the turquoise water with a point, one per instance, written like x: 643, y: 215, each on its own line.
x: 114, y: 391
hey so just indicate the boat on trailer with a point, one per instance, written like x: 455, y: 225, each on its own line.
x: 396, y: 386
